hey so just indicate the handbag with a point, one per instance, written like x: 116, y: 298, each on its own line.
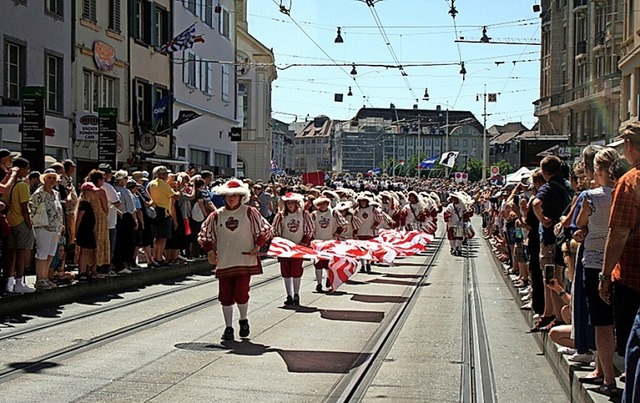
x: 196, y: 213
x: 40, y: 217
x: 151, y: 212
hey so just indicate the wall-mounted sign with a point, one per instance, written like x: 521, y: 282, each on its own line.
x: 33, y: 126
x: 148, y: 142
x: 10, y: 115
x: 87, y: 127
x: 104, y: 55
x: 119, y: 143
x: 107, y: 138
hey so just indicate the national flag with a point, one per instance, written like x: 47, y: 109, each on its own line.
x: 429, y: 162
x: 274, y: 166
x: 184, y: 40
x: 449, y: 158
x: 160, y: 107
x: 184, y: 117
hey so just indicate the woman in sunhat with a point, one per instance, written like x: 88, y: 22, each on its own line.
x: 232, y: 236
x: 294, y: 223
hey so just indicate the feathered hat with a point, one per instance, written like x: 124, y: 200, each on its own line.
x: 321, y: 199
x: 233, y: 187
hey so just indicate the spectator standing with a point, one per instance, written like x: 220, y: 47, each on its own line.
x: 21, y: 240
x: 34, y: 181
x: 266, y: 201
x: 622, y: 262
x: 47, y: 235
x: 66, y: 180
x: 145, y: 233
x: 114, y: 202
x: 198, y: 215
x: 162, y: 196
x: 100, y: 206
x: 127, y: 224
x: 85, y: 228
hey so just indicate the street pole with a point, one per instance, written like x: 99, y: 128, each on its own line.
x: 484, y: 136
x: 418, y: 149
x: 447, y: 139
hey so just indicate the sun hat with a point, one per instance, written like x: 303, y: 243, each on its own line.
x: 132, y: 184
x: 159, y: 170
x: 233, y: 187
x: 49, y: 172
x: 139, y: 176
x: 121, y: 174
x: 89, y: 186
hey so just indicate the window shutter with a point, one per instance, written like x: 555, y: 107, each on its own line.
x: 198, y: 75
x: 152, y: 18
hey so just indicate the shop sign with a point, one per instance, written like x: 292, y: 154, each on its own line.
x: 104, y: 55
x: 87, y: 127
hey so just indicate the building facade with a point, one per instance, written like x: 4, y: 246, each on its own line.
x: 100, y: 76
x: 38, y: 56
x: 629, y: 63
x: 255, y: 72
x: 579, y: 75
x: 204, y: 82
x: 313, y: 146
x: 283, y: 151
x: 382, y: 138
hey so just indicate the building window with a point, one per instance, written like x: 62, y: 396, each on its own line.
x: 223, y: 23
x: 465, y: 143
x: 225, y: 83
x: 142, y: 21
x: 143, y: 105
x: 55, y: 7
x: 244, y: 115
x: 190, y: 5
x: 436, y: 142
x: 161, y: 27
x: 189, y: 69
x: 99, y: 91
x: 208, y: 12
x: 474, y: 143
x: 199, y: 157
x: 54, y: 82
x: 207, y: 81
x: 15, y: 70
x: 89, y: 10
x: 114, y: 15
x: 221, y: 160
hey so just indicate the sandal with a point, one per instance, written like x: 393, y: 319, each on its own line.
x: 542, y: 322
x: 591, y: 379
x: 610, y: 390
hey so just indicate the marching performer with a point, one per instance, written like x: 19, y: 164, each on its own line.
x: 294, y: 223
x: 454, y: 215
x: 370, y: 217
x: 390, y: 207
x: 329, y: 224
x: 414, y: 213
x: 353, y: 222
x: 232, y: 236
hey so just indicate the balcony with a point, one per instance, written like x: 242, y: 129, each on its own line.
x: 580, y: 6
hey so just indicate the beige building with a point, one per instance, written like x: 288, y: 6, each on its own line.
x: 579, y: 75
x: 630, y: 63
x: 255, y: 72
x: 313, y: 146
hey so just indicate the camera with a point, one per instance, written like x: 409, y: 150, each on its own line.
x: 549, y: 273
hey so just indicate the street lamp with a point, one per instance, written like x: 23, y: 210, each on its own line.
x: 484, y: 130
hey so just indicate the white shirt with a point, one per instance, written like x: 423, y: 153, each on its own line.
x: 112, y: 197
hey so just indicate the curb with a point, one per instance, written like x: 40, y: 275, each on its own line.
x: 566, y: 372
x: 47, y: 299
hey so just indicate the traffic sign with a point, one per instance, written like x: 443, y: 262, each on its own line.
x: 495, y: 170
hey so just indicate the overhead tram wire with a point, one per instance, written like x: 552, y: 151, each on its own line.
x: 394, y: 56
x: 326, y: 54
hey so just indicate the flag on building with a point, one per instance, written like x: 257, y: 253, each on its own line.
x: 184, y: 40
x: 449, y: 158
x: 160, y: 107
x: 184, y: 117
x: 429, y: 162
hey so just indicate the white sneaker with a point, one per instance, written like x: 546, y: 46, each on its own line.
x: 11, y: 282
x: 583, y: 358
x: 125, y: 271
x: 22, y: 289
x: 525, y: 291
x: 566, y: 350
x: 526, y: 298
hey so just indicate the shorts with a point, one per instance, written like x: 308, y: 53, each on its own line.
x: 290, y: 267
x: 234, y: 289
x: 518, y: 253
x: 600, y: 313
x: 22, y: 237
x: 321, y: 264
x: 46, y: 243
x: 163, y: 225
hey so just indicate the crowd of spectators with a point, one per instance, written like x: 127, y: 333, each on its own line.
x: 570, y: 235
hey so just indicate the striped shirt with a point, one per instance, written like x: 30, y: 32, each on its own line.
x: 308, y: 226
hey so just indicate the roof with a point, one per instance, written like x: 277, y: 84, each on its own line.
x: 425, y: 115
x: 510, y: 127
x: 318, y: 127
x: 504, y: 138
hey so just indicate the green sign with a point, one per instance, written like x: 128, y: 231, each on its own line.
x: 33, y: 126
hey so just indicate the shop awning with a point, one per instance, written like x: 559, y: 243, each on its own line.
x: 165, y: 161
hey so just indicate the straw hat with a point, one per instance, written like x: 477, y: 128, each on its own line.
x: 233, y: 187
x: 49, y: 172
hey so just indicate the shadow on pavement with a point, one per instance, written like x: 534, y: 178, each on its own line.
x: 393, y: 282
x: 378, y: 299
x: 352, y: 316
x: 33, y: 367
x: 299, y: 308
x: 332, y: 362
x: 394, y: 275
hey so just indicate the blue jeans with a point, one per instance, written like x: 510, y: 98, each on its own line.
x: 632, y: 364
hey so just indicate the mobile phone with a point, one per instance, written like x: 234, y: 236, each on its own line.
x: 549, y: 273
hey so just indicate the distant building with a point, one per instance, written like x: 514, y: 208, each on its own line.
x: 283, y: 149
x: 313, y: 146
x: 520, y: 147
x: 378, y: 137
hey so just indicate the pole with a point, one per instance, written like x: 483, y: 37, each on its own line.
x: 418, y: 148
x: 484, y: 137
x: 447, y: 139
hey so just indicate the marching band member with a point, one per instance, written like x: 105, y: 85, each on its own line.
x: 332, y: 196
x: 454, y: 217
x: 329, y: 224
x: 414, y: 213
x: 353, y: 222
x: 294, y: 223
x: 232, y: 236
x: 371, y: 217
x: 390, y: 208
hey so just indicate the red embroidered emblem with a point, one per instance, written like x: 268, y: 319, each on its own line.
x: 231, y: 224
x: 365, y: 215
x: 293, y: 226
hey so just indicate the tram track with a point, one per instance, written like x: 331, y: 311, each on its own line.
x: 83, y: 346
x: 477, y: 383
x: 353, y: 387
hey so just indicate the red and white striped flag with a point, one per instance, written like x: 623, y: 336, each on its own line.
x: 340, y: 269
x: 281, y: 247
